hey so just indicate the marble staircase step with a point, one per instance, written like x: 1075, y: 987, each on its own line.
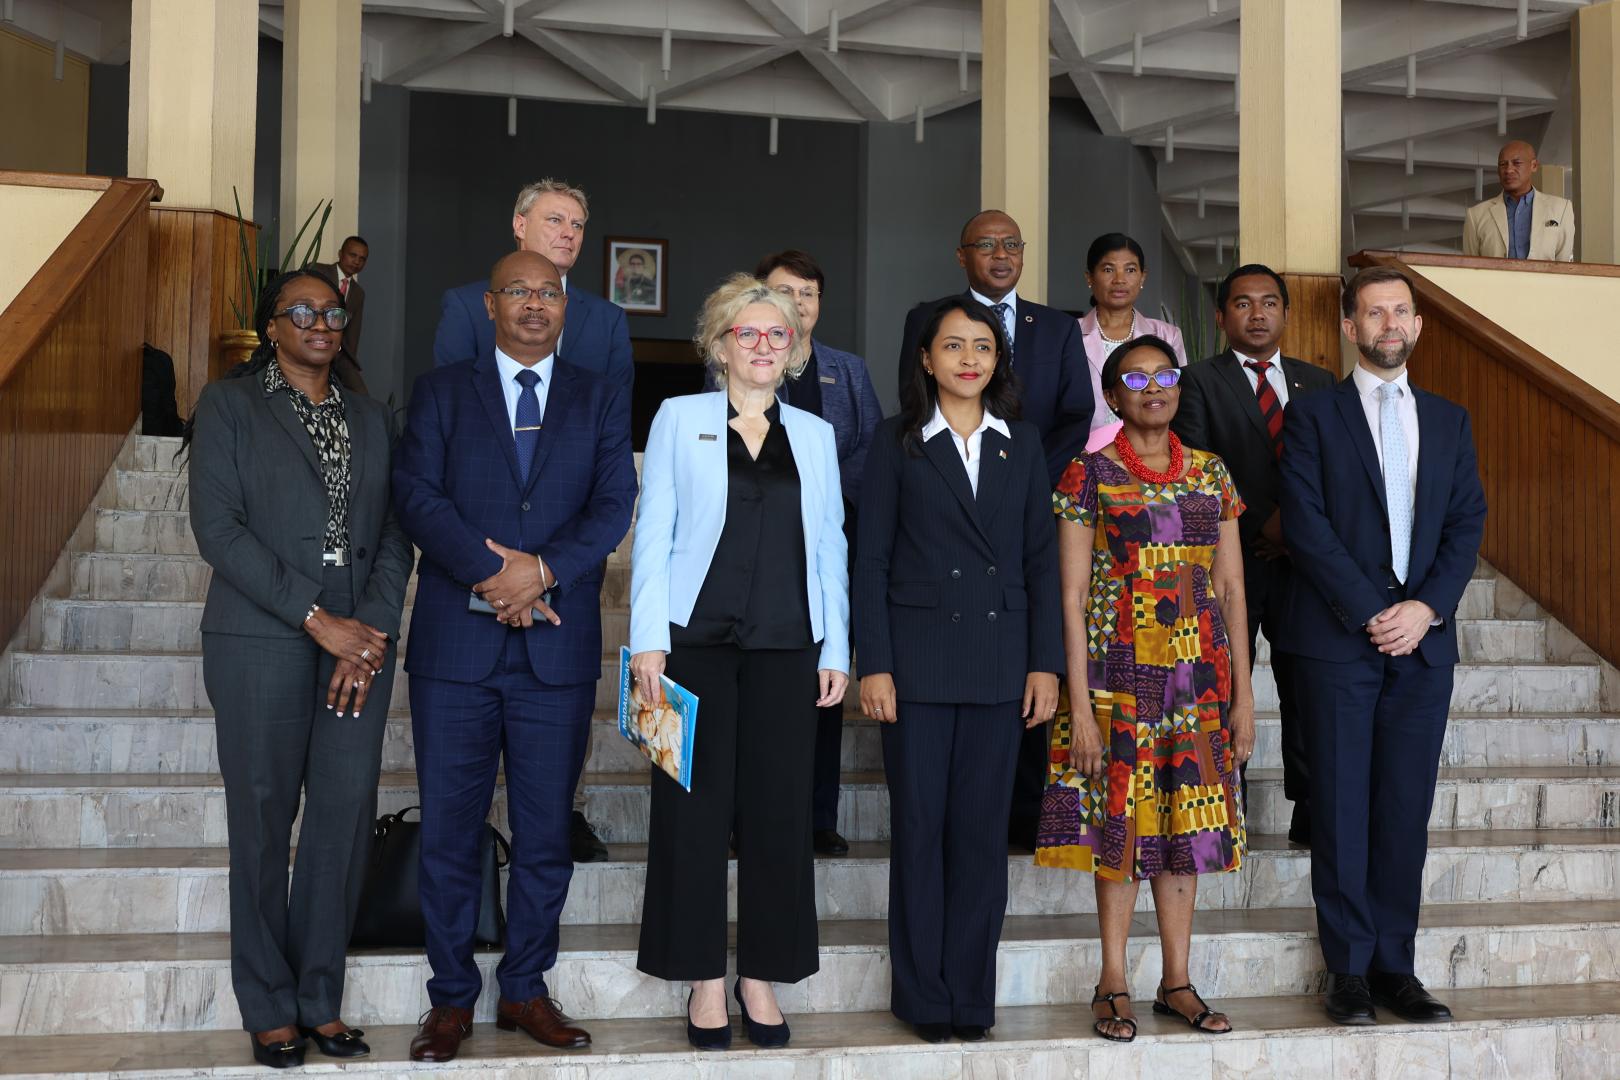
x: 150, y: 453
x: 56, y: 985
x: 188, y: 809
x: 185, y: 890
x: 36, y: 740
x: 1500, y: 1033
x: 158, y: 680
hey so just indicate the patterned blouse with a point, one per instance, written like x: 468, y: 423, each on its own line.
x: 329, y: 430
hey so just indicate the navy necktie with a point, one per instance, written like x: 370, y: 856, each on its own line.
x: 1002, y: 311
x: 527, y: 430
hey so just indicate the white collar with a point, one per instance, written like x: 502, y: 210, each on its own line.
x: 1011, y: 299
x: 1275, y: 359
x: 510, y: 367
x: 1367, y: 383
x: 937, y: 423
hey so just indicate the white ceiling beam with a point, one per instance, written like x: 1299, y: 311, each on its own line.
x: 495, y: 73
x: 1193, y: 168
x: 775, y: 14
x: 448, y: 10
x: 866, y: 92
x: 1146, y: 104
x: 1371, y: 47
x: 917, y: 31
x: 1112, y: 29
x: 594, y: 58
x: 716, y: 65
x: 49, y: 21
x: 1376, y: 120
x: 691, y: 20
x: 409, y: 57
x: 852, y: 14
x: 1189, y: 56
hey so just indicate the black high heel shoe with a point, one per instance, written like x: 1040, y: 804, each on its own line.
x: 705, y: 1038
x: 282, y: 1055
x: 345, y: 1044
x: 761, y: 1035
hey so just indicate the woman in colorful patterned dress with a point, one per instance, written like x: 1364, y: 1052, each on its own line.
x: 1144, y: 783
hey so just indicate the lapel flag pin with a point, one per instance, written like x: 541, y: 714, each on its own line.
x: 706, y: 437
x: 1003, y: 455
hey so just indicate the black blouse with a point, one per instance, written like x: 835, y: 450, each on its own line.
x: 754, y: 594
x: 328, y: 428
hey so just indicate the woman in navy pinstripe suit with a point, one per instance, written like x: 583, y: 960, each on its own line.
x: 959, y: 636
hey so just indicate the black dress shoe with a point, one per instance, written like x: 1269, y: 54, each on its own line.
x: 762, y: 1035
x: 585, y: 845
x: 283, y: 1055
x: 828, y: 842
x: 933, y: 1033
x: 1348, y: 1001
x: 705, y: 1038
x: 970, y: 1032
x: 1404, y: 996
x: 345, y: 1044
x: 1299, y: 827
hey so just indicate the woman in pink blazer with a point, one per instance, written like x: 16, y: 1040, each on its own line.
x: 1116, y: 270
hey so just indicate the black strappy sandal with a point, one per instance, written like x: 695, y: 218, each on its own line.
x: 1098, y: 997
x: 1163, y: 1008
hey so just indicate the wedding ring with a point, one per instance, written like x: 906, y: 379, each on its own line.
x: 365, y: 654
x: 502, y: 603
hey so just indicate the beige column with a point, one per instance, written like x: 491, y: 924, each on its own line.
x: 193, y: 83
x: 1013, y: 124
x: 1554, y: 179
x: 320, y: 119
x: 1597, y: 133
x: 1289, y: 162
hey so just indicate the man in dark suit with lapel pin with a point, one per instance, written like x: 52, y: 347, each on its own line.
x: 515, y: 479
x: 345, y: 274
x: 1049, y: 361
x: 1383, y: 511
x: 549, y: 218
x: 1233, y: 405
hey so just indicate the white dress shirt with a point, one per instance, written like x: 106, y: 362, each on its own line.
x: 511, y: 388
x: 1009, y: 321
x: 968, y: 447
x: 1274, y: 375
x: 1367, y: 385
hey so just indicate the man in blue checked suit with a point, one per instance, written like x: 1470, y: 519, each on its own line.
x: 515, y: 479
x: 548, y: 218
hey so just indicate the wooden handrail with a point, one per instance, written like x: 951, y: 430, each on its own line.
x: 1541, y: 370
x: 67, y: 181
x: 1481, y: 262
x: 48, y: 293
x: 1549, y: 451
x: 70, y: 379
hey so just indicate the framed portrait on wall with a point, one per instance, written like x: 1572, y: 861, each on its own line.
x: 635, y: 270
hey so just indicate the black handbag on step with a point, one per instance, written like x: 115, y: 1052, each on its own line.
x: 390, y: 914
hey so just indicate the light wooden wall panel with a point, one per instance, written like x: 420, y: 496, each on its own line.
x: 194, y: 263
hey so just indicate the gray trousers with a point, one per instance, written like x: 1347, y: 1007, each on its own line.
x: 279, y: 742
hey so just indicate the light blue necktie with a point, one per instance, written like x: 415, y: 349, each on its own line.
x: 526, y: 432
x: 1397, y: 478
x: 1003, y: 311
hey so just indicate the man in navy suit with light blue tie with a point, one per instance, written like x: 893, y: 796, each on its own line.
x: 1047, y: 355
x: 549, y: 218
x: 515, y: 479
x: 1383, y: 510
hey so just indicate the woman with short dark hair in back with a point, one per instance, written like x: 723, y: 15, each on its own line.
x: 291, y: 508
x: 960, y: 641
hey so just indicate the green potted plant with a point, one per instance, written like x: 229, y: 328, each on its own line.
x: 256, y: 266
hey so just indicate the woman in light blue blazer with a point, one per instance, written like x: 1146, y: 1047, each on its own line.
x: 739, y: 592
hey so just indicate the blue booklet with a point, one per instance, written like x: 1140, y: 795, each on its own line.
x: 662, y: 730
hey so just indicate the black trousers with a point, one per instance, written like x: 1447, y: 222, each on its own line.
x: 950, y: 773
x: 828, y: 767
x: 1377, y: 725
x: 277, y: 742
x: 756, y: 732
x: 1266, y: 586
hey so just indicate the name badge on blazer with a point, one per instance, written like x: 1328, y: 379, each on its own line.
x: 708, y: 438
x: 829, y: 380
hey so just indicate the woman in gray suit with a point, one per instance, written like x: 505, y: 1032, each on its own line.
x: 290, y: 507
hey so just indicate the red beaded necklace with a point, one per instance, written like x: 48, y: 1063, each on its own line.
x: 1133, y: 464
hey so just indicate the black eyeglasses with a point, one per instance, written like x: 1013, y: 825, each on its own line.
x: 1138, y: 380
x: 303, y: 316
x: 520, y: 293
x: 1011, y: 245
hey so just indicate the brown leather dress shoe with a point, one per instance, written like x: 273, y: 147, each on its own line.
x: 440, y: 1035
x: 541, y: 1019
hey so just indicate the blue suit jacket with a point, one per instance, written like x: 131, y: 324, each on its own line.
x: 849, y: 404
x: 1336, y: 522
x: 683, y: 508
x: 957, y: 592
x: 456, y: 482
x: 1054, y: 379
x: 595, y: 335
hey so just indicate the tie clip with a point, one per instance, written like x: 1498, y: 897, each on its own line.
x: 536, y: 427
x: 706, y: 438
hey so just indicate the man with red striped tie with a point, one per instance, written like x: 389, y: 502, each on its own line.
x: 1235, y: 405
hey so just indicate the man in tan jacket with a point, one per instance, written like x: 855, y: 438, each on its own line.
x: 1521, y: 222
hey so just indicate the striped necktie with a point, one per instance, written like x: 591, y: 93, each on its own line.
x: 1271, y: 410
